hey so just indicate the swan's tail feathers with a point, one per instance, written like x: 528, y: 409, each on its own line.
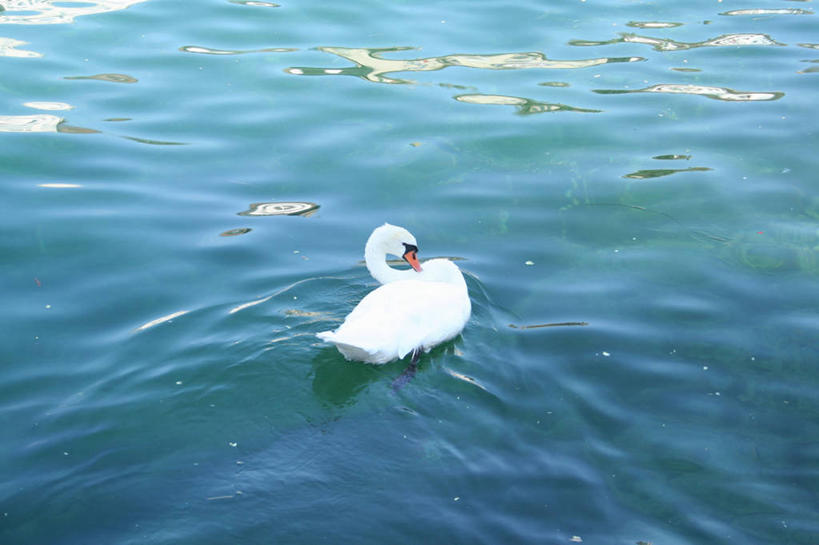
x: 349, y: 351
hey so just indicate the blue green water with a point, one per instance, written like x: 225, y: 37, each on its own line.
x: 647, y: 169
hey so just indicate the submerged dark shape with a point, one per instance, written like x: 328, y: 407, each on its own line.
x: 558, y: 324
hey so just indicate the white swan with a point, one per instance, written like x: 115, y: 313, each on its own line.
x: 414, y: 309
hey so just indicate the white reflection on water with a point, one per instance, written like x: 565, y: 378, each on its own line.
x: 372, y: 67
x: 652, y: 24
x: 524, y: 105
x: 29, y: 123
x: 256, y: 3
x: 775, y: 11
x: 8, y: 48
x: 161, y: 320
x: 718, y: 93
x: 281, y: 209
x: 58, y: 185
x: 43, y: 12
x: 211, y: 51
x: 666, y: 44
x: 49, y: 106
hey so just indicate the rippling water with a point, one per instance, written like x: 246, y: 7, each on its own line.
x: 629, y: 186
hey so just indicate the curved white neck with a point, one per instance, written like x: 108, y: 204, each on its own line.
x: 377, y: 265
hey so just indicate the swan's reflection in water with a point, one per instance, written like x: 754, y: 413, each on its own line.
x: 667, y: 44
x: 371, y: 66
x: 717, y: 93
x: 44, y: 12
x: 281, y: 209
x: 8, y: 48
x: 525, y: 106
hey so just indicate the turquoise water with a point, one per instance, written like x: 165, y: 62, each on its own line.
x: 646, y: 169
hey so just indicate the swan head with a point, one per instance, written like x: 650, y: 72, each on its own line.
x: 394, y: 240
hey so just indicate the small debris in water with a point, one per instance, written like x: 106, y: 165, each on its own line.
x: 415, y: 144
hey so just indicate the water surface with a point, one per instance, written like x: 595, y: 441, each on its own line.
x: 186, y: 196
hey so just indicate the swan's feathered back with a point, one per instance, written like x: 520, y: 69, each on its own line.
x: 416, y: 311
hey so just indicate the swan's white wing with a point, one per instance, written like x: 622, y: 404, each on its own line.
x: 401, y: 316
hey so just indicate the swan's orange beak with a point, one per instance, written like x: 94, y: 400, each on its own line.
x: 411, y: 257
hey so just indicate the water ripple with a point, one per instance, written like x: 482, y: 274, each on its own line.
x: 210, y: 51
x: 370, y: 65
x: 717, y: 93
x: 525, y: 106
x: 113, y: 78
x: 776, y: 11
x: 281, y: 209
x: 667, y: 44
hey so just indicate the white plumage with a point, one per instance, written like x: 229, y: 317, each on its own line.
x: 414, y: 309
